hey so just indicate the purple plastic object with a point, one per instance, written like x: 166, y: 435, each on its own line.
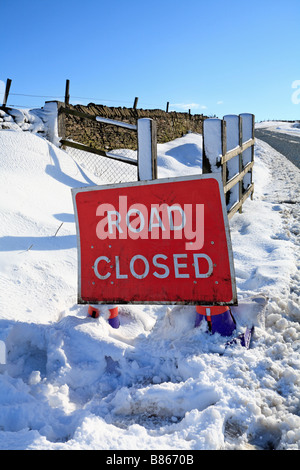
x: 114, y: 322
x: 223, y: 324
x: 246, y: 337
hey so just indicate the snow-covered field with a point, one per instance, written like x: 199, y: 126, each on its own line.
x: 73, y: 382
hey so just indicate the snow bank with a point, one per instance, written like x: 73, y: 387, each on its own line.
x: 182, y: 156
x: 73, y: 382
x: 42, y: 121
x: 291, y: 128
x: 38, y: 237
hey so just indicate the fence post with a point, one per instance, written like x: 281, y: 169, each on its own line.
x: 147, y: 149
x: 61, y: 126
x: 248, y: 126
x: 224, y: 150
x: 135, y: 102
x: 241, y: 189
x: 212, y: 145
x: 67, y: 94
x: 6, y: 93
x: 252, y: 150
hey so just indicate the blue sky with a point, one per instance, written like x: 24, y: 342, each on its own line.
x: 213, y: 57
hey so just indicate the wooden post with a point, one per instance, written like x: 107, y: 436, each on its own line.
x: 213, y: 145
x: 147, y: 149
x: 167, y: 108
x: 67, y: 94
x: 6, y: 93
x: 135, y: 102
x: 241, y: 186
x: 252, y: 150
x: 206, y: 167
x: 224, y: 150
x: 61, y: 126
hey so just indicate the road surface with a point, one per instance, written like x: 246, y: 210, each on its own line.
x: 287, y: 145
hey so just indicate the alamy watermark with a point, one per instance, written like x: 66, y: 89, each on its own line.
x: 153, y: 222
x: 296, y: 93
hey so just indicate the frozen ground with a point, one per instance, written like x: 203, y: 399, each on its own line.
x: 72, y: 382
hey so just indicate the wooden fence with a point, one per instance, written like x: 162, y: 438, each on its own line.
x: 145, y: 129
x: 228, y: 147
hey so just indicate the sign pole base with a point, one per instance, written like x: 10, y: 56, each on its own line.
x: 222, y: 323
x: 219, y: 319
x: 114, y: 317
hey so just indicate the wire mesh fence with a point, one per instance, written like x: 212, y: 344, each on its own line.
x: 108, y: 169
x: 104, y: 147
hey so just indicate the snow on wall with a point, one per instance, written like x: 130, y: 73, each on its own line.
x: 42, y: 121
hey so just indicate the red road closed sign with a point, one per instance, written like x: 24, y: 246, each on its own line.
x: 160, y: 241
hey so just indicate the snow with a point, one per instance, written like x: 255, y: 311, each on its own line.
x: 290, y: 128
x: 182, y: 156
x: 73, y: 382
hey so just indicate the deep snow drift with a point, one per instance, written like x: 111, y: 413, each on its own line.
x: 72, y: 382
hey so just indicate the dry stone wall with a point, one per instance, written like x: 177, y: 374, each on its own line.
x: 170, y: 125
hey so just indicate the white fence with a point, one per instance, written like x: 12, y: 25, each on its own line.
x: 228, y: 147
